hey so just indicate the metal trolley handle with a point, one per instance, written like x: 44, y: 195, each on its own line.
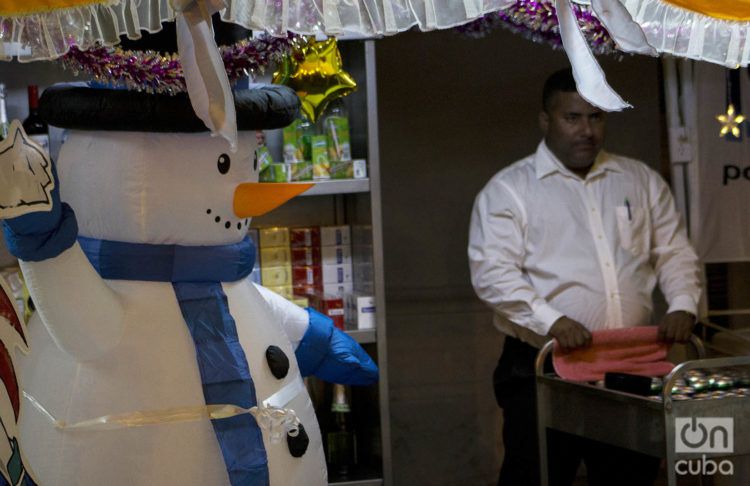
x: 700, y: 349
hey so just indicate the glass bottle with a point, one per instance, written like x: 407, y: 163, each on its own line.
x: 336, y: 126
x: 341, y: 440
x: 3, y: 114
x: 35, y: 127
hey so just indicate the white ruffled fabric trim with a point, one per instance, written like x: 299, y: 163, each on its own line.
x: 357, y: 17
x: 683, y: 33
x: 49, y: 35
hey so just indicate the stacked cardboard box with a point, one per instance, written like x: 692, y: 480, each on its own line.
x: 336, y: 252
x: 307, y: 276
x: 359, y: 311
x: 314, y: 265
x: 360, y: 304
x: 362, y: 260
x: 330, y: 305
x: 275, y: 260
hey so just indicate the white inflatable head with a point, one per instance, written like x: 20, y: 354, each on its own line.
x: 156, y: 188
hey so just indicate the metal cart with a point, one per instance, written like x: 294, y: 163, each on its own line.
x: 632, y: 421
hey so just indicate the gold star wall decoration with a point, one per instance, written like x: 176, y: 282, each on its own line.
x: 314, y: 70
x: 730, y: 122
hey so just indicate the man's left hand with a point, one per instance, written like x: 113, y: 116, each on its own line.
x: 676, y: 326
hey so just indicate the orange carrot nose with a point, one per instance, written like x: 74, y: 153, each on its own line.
x: 256, y: 198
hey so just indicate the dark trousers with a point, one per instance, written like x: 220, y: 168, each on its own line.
x: 515, y: 391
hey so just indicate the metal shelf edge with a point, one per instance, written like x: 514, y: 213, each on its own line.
x: 363, y: 336
x: 338, y: 186
x: 359, y: 482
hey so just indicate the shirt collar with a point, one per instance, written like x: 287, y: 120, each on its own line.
x: 547, y: 163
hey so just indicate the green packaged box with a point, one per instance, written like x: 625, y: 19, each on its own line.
x: 275, y: 172
x: 301, y: 171
x: 337, y: 133
x: 320, y: 161
x: 342, y: 169
x: 296, y: 138
x: 292, y: 143
x: 264, y: 157
x: 359, y: 168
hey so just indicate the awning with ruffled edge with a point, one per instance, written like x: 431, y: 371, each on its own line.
x: 708, y: 30
x: 681, y: 27
x: 50, y: 33
x: 26, y: 7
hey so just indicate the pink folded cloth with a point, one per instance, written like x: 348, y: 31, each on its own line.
x: 634, y: 350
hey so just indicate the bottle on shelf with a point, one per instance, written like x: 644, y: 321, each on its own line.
x: 341, y: 439
x: 297, y: 140
x: 35, y: 127
x: 336, y: 129
x: 3, y: 114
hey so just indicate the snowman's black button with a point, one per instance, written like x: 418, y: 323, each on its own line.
x: 298, y: 444
x: 277, y: 361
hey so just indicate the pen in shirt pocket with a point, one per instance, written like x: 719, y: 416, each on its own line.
x: 630, y: 214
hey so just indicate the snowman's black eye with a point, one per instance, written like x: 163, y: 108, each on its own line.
x: 223, y: 163
x: 255, y: 161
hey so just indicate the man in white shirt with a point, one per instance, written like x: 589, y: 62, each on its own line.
x: 566, y: 241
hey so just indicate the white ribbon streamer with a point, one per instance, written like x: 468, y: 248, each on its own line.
x: 287, y: 393
x: 590, y: 80
x: 273, y: 416
x: 270, y: 415
x: 144, y: 417
x: 627, y: 34
x: 205, y: 76
x: 278, y: 422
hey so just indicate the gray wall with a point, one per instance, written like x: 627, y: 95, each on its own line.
x: 452, y: 112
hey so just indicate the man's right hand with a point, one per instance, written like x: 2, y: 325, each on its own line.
x: 570, y: 334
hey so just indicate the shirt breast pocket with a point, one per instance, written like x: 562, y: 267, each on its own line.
x: 632, y: 224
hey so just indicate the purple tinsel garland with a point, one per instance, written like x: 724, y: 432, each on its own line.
x: 154, y: 72
x: 157, y: 73
x: 537, y: 20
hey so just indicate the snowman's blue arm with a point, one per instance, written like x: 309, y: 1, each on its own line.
x: 39, y: 236
x: 331, y: 355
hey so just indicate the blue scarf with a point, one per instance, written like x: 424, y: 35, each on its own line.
x: 196, y: 273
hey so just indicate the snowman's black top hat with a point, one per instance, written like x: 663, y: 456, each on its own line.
x: 85, y: 108
x: 80, y: 106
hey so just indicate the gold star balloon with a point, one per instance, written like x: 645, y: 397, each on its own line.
x: 314, y: 70
x: 730, y: 122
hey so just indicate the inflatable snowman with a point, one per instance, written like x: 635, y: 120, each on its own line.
x: 150, y: 345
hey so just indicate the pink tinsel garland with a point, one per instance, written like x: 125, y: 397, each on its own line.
x: 162, y: 73
x: 537, y: 20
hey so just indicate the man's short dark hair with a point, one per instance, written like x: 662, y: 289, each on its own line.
x: 559, y: 81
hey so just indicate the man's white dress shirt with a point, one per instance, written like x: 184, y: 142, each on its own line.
x: 544, y: 243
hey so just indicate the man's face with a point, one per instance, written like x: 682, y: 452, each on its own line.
x: 573, y: 130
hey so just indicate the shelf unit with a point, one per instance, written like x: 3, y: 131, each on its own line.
x: 354, y: 202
